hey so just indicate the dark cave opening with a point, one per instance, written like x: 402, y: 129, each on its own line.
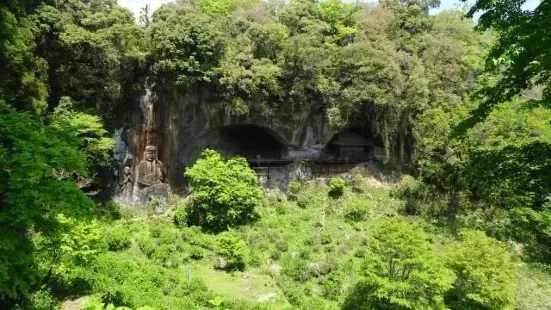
x: 249, y: 141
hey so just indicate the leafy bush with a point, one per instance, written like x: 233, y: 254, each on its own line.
x: 357, y: 183
x: 156, y: 204
x: 225, y: 193
x: 293, y: 292
x: 41, y: 300
x: 193, y: 236
x: 295, y: 267
x: 495, y: 221
x: 533, y: 227
x: 117, y: 239
x: 420, y: 198
x: 36, y: 183
x: 325, y: 238
x: 332, y: 286
x: 401, y: 271
x: 133, y: 281
x: 357, y: 209
x: 165, y: 245
x: 109, y: 211
x: 76, y: 245
x: 484, y: 274
x: 293, y: 189
x: 147, y: 246
x: 310, y: 198
x: 336, y: 187
x: 303, y: 202
x: 233, y: 250
x: 180, y: 217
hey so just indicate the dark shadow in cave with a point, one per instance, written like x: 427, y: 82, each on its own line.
x: 349, y: 144
x: 249, y: 141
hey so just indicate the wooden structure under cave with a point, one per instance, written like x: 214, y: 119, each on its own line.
x: 350, y: 146
x: 343, y: 152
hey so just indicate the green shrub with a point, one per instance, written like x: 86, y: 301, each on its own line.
x: 400, y: 271
x: 281, y: 208
x: 281, y: 246
x: 295, y: 267
x: 484, y: 274
x: 133, y: 281
x: 41, y: 300
x: 76, y: 244
x: 311, y: 198
x: 533, y: 228
x: 357, y: 209
x: 155, y: 203
x: 293, y: 292
x: 165, y: 255
x: 420, y: 198
x: 180, y: 216
x: 196, y: 252
x: 495, y: 221
x: 117, y: 239
x: 315, y: 302
x: 109, y: 210
x: 304, y: 203
x: 358, y: 182
x: 194, y: 236
x: 164, y: 245
x: 325, y: 238
x: 293, y: 189
x: 147, y: 245
x: 336, y: 187
x: 225, y: 193
x: 233, y: 250
x: 332, y: 286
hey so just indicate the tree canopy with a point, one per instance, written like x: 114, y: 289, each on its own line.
x: 466, y: 112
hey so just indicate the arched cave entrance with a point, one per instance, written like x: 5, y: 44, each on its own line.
x: 250, y: 141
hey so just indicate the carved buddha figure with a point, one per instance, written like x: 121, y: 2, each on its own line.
x: 150, y: 171
x: 127, y: 183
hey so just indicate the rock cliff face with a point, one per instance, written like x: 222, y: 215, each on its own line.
x: 183, y: 123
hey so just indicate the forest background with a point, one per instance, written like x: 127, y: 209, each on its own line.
x: 464, y: 110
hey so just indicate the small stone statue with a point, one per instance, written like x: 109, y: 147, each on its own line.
x: 127, y: 183
x: 150, y: 171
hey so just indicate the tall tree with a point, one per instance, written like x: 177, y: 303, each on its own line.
x: 520, y: 56
x: 22, y: 80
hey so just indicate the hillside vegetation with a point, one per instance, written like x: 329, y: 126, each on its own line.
x: 462, y: 111
x: 308, y: 251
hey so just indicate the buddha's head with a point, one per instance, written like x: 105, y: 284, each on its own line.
x: 150, y: 153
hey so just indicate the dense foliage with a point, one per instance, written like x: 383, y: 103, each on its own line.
x: 519, y: 56
x: 225, y: 192
x: 400, y: 271
x: 465, y: 112
x: 376, y: 67
x: 484, y: 273
x: 51, y: 143
x: 38, y: 161
x: 233, y: 250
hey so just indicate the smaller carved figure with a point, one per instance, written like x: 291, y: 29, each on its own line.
x: 128, y: 183
x: 150, y: 171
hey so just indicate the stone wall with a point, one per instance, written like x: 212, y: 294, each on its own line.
x: 185, y: 123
